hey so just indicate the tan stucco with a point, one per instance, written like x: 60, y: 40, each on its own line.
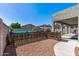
x: 67, y: 13
x: 4, y: 30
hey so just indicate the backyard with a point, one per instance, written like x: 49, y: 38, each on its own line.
x: 57, y: 39
x: 40, y: 48
x: 38, y: 43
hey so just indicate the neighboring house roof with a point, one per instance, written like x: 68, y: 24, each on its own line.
x: 38, y: 28
x: 28, y: 26
x: 45, y: 26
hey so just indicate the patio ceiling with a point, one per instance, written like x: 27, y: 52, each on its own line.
x: 70, y: 21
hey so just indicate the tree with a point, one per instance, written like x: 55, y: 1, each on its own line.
x: 15, y: 25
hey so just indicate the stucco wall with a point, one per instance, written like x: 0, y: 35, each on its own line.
x: 67, y: 13
x: 3, y: 34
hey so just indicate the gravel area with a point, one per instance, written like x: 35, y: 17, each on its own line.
x: 77, y: 51
x: 40, y: 48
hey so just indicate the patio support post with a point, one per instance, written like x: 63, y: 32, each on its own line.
x: 67, y: 29
x: 54, y: 26
x: 62, y: 28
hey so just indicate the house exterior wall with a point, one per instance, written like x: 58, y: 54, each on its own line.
x: 4, y: 30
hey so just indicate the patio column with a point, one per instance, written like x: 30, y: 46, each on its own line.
x: 67, y: 29
x: 62, y: 28
x: 53, y: 26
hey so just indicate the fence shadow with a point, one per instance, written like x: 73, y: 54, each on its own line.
x: 10, y: 51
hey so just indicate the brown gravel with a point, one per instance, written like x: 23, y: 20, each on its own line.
x: 40, y: 48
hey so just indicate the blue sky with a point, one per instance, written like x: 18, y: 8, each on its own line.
x: 31, y: 13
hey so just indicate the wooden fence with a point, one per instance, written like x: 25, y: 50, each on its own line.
x: 32, y: 37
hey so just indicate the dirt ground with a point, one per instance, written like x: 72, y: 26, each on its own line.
x: 77, y: 51
x: 40, y: 48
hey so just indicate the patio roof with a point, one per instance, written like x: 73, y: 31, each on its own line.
x: 70, y: 21
x: 68, y: 13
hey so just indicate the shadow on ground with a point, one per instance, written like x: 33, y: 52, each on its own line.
x: 10, y: 51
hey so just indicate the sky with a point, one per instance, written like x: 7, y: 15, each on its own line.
x: 30, y: 13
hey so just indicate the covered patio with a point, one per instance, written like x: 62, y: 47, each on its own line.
x: 66, y: 21
x: 66, y: 26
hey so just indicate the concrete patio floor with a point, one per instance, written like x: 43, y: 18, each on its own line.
x: 65, y: 48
